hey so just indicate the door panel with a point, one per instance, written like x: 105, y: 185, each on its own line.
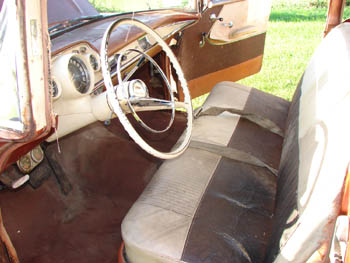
x: 229, y: 53
x: 241, y: 20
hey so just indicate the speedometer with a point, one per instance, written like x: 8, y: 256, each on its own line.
x: 79, y: 74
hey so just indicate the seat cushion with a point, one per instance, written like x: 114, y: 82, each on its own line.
x: 250, y: 101
x: 202, y: 207
x: 315, y: 154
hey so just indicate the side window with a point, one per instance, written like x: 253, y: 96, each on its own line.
x: 12, y: 70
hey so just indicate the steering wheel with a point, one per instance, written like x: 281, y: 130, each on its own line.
x: 133, y: 96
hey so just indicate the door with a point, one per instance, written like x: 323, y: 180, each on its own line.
x: 226, y: 44
x: 25, y: 107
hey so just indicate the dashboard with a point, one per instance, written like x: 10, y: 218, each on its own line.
x: 77, y: 85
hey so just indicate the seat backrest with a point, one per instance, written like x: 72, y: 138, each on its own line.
x: 315, y: 153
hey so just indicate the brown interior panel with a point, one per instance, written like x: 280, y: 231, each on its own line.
x: 217, y: 62
x: 204, y: 84
x: 189, y: 49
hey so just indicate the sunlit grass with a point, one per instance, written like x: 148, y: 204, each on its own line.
x: 135, y: 5
x: 292, y: 37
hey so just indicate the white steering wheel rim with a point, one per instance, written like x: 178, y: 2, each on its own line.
x: 180, y: 147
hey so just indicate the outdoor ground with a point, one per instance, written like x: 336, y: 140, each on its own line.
x: 295, y: 30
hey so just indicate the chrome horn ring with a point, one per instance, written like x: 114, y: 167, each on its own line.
x: 138, y: 101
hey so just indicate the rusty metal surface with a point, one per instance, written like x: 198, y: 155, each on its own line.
x: 32, y: 136
x: 5, y: 239
x: 334, y: 15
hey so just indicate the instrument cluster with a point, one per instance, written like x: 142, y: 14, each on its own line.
x: 77, y: 84
x: 74, y: 72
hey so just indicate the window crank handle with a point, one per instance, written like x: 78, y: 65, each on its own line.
x: 213, y: 18
x: 229, y: 24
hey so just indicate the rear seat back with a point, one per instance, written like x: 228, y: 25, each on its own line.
x: 315, y: 153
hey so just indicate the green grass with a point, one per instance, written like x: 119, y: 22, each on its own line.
x: 299, y: 3
x: 134, y: 5
x: 118, y: 6
x: 292, y: 36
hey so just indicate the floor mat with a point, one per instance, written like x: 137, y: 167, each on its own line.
x: 107, y: 171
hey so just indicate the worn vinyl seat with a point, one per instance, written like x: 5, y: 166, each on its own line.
x: 203, y: 207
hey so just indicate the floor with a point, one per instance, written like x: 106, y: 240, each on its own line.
x: 107, y: 172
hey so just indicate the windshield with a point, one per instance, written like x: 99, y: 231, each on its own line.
x: 122, y: 6
x: 67, y: 10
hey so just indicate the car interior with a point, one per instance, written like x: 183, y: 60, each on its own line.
x: 126, y: 170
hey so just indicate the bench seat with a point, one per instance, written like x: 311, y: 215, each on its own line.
x: 183, y: 211
x: 203, y: 207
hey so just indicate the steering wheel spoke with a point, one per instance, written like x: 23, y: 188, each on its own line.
x: 151, y: 104
x: 183, y: 105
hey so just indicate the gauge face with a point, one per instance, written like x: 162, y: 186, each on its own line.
x: 93, y: 62
x: 54, y: 89
x: 37, y: 154
x: 79, y: 74
x: 24, y: 163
